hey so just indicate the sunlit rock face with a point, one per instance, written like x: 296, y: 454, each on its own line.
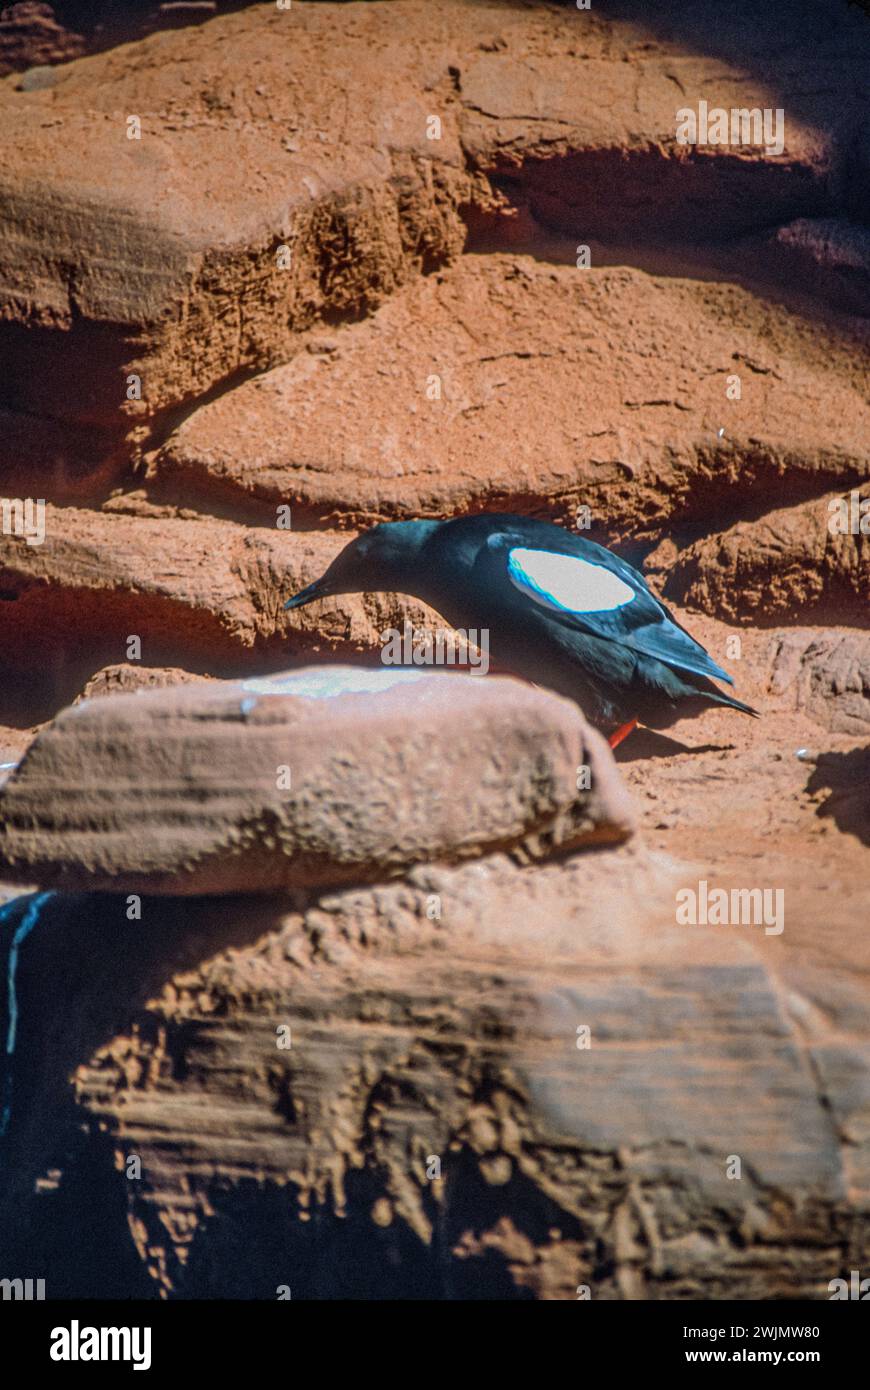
x: 325, y: 775
x: 283, y: 314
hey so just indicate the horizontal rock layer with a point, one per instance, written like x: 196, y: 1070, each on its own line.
x: 254, y: 202
x: 330, y: 774
x: 811, y: 559
x: 423, y: 408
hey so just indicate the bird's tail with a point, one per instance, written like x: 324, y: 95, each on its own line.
x: 720, y: 698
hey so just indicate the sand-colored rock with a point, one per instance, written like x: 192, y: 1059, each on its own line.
x: 429, y: 1125
x: 424, y: 407
x: 589, y: 146
x: 199, y: 593
x: 794, y: 559
x: 160, y: 257
x: 326, y: 775
x: 827, y: 674
x: 124, y: 679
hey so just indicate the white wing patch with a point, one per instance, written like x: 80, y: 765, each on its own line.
x: 566, y: 583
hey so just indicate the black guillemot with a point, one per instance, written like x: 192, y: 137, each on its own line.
x: 561, y: 611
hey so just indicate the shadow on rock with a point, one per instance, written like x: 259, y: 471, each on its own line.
x: 84, y: 976
x: 646, y: 743
x: 847, y: 776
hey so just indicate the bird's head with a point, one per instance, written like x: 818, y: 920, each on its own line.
x: 381, y: 560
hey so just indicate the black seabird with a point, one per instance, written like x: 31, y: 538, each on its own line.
x: 560, y: 611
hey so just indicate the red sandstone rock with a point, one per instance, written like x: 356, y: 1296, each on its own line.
x: 430, y: 1105
x: 438, y: 1014
x: 327, y: 775
x: 423, y: 409
x: 797, y: 559
x: 195, y: 591
x: 125, y: 256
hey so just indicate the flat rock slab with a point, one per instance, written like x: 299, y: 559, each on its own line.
x: 122, y: 254
x: 410, y: 411
x: 326, y: 775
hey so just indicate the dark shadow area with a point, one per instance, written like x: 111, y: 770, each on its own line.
x: 614, y: 196
x: 646, y: 743
x: 799, y: 52
x: 76, y: 1237
x: 256, y: 1242
x: 63, y: 657
x: 260, y: 1239
x: 31, y: 697
x: 85, y: 973
x: 100, y: 24
x: 847, y: 777
x: 86, y: 366
x: 836, y: 296
x: 475, y: 1208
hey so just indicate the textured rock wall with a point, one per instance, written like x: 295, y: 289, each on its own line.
x: 286, y: 294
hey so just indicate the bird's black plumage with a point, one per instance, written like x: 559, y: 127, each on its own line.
x: 560, y: 610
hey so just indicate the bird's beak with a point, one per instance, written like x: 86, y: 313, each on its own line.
x: 319, y: 589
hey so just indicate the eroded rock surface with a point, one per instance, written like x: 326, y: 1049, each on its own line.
x: 826, y: 674
x: 793, y: 559
x: 397, y: 416
x: 329, y: 310
x: 430, y: 1125
x: 330, y: 774
x: 253, y: 203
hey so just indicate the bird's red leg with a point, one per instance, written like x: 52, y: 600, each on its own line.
x: 615, y: 739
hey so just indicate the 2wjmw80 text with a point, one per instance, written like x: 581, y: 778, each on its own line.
x: 772, y: 1333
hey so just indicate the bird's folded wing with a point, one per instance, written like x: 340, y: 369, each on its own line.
x: 607, y: 600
